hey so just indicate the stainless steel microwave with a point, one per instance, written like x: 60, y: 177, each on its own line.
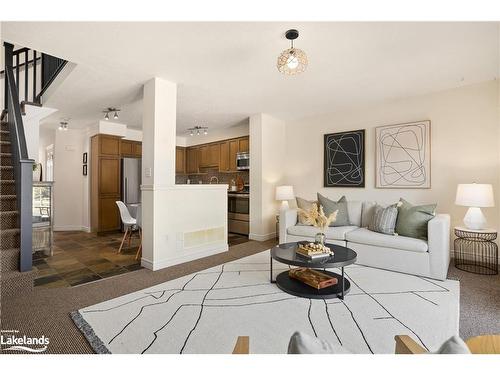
x: 242, y: 161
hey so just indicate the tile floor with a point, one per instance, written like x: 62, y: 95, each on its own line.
x: 80, y: 257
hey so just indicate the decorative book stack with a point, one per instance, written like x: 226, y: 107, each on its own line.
x: 314, y: 251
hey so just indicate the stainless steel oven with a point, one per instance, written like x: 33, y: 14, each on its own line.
x: 242, y: 161
x: 238, y: 205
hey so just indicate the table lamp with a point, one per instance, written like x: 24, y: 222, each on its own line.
x: 284, y: 194
x: 475, y: 196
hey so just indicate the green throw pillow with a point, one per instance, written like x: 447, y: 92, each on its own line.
x: 384, y: 219
x: 412, y: 220
x: 330, y: 206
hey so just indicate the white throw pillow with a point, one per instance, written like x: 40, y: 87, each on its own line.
x: 454, y: 345
x: 302, y: 343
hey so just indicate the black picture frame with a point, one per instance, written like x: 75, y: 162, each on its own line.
x: 344, y: 159
x: 85, y: 169
x: 84, y: 158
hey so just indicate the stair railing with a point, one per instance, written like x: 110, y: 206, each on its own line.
x: 23, y: 165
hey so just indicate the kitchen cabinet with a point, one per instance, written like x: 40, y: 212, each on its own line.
x: 138, y: 149
x: 214, y: 154
x: 105, y: 182
x: 233, y: 150
x: 130, y: 149
x: 192, y: 160
x: 243, y: 144
x: 203, y: 160
x: 180, y: 160
x: 224, y: 157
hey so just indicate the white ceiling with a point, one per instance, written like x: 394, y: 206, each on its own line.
x: 227, y: 71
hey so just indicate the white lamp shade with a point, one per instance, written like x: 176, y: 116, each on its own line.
x: 475, y: 195
x: 284, y: 193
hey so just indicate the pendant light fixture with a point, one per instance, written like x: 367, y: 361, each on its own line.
x: 292, y: 60
x: 109, y: 110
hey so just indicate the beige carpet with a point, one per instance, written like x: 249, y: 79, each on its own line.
x: 46, y: 312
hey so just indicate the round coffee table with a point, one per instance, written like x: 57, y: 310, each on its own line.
x: 285, y: 253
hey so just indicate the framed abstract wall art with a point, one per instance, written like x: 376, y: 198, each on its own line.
x: 403, y: 156
x: 344, y: 159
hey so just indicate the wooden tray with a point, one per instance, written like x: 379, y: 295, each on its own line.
x: 313, y: 278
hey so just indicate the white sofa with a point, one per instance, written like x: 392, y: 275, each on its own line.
x: 396, y: 253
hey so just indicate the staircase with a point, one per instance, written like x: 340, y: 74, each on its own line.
x: 12, y: 281
x: 16, y: 169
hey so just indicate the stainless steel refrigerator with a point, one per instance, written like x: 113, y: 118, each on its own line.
x: 131, y: 182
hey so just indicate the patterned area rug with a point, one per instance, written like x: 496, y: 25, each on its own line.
x: 205, y: 312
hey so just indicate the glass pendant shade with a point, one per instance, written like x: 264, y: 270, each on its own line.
x: 292, y: 61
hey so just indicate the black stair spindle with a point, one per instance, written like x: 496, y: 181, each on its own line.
x: 26, y: 75
x: 34, y: 76
x: 17, y: 69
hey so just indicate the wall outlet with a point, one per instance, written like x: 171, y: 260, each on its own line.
x: 148, y: 172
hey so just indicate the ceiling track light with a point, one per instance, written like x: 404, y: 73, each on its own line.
x: 63, y: 125
x: 292, y: 60
x: 198, y: 130
x: 109, y: 110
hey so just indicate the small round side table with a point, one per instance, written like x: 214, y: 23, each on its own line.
x: 476, y: 251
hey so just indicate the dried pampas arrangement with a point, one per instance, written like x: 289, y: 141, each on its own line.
x: 316, y: 217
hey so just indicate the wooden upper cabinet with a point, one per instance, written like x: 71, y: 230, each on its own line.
x: 127, y: 148
x: 224, y: 157
x: 233, y: 150
x: 244, y: 144
x: 192, y: 160
x: 138, y: 149
x: 203, y: 155
x: 109, y: 145
x: 214, y: 154
x: 180, y: 160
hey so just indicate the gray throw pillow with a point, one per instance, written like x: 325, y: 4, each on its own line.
x: 454, y: 345
x: 306, y: 206
x: 412, y: 220
x: 330, y: 207
x: 301, y: 343
x: 384, y: 219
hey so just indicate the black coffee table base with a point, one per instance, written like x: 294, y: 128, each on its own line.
x: 299, y: 289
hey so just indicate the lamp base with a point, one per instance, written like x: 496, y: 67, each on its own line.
x: 474, y: 219
x: 284, y: 206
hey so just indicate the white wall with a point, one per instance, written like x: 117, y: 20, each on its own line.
x: 31, y: 124
x: 239, y: 130
x: 464, y: 144
x: 47, y: 138
x: 267, y: 169
x: 68, y: 180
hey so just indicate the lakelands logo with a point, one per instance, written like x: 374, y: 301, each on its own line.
x: 10, y: 340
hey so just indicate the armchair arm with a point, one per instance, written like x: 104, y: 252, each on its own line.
x: 288, y: 218
x: 406, y: 345
x: 242, y: 345
x: 439, y: 245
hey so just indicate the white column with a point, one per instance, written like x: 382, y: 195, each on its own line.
x: 267, y: 170
x: 158, y: 157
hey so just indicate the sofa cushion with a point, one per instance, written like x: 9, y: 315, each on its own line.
x: 330, y: 206
x: 305, y: 205
x: 412, y: 220
x: 331, y: 233
x: 355, y: 208
x: 367, y: 237
x: 384, y: 219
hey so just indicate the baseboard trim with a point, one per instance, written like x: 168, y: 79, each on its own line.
x: 155, y: 266
x: 64, y: 228
x: 262, y: 237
